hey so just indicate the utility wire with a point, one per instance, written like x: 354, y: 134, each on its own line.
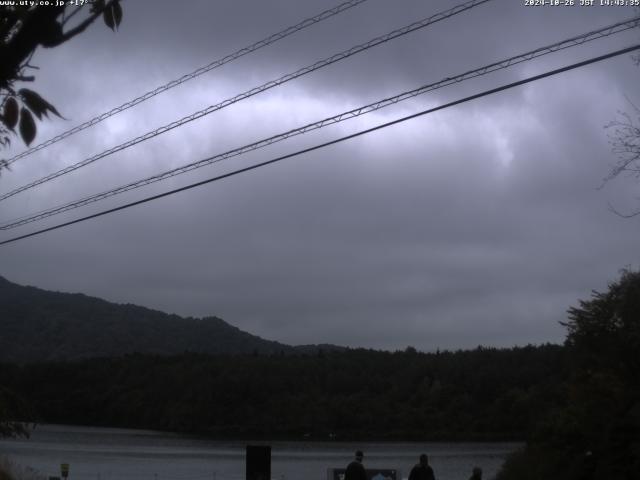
x: 254, y: 91
x: 189, y: 76
x: 332, y: 142
x: 502, y: 64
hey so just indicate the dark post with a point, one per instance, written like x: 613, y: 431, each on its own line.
x: 258, y: 462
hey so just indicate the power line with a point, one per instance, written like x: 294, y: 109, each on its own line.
x: 502, y: 64
x: 189, y: 76
x: 254, y: 91
x: 332, y: 142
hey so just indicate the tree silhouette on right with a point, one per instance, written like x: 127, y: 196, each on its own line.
x: 624, y: 138
x: 596, y: 432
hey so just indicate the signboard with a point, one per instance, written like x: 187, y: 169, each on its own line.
x: 64, y: 470
x: 372, y: 474
x: 258, y: 462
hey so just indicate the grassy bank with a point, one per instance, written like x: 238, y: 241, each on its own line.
x: 12, y: 471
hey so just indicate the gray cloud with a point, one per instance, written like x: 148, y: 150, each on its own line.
x: 480, y: 224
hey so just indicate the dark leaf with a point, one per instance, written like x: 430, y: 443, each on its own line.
x: 27, y: 126
x: 37, y: 104
x: 117, y: 13
x: 10, y: 117
x: 5, y: 165
x: 109, y: 17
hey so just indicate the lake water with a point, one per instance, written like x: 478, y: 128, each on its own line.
x: 118, y: 454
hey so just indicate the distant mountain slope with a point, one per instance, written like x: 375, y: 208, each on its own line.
x: 40, y: 325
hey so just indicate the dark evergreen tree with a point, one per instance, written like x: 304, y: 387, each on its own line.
x: 595, y: 433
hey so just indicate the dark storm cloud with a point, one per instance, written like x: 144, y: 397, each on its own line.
x: 480, y: 224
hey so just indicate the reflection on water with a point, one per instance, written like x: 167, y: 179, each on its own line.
x: 119, y: 454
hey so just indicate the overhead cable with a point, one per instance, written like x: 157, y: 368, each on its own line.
x: 332, y: 142
x: 502, y: 64
x: 254, y: 91
x: 189, y: 76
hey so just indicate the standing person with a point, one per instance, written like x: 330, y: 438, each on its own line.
x: 422, y: 470
x: 355, y: 470
x: 476, y: 474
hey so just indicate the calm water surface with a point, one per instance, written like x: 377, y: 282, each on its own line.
x: 118, y: 454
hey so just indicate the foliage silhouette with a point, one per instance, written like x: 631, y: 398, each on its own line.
x: 595, y: 432
x: 22, y: 30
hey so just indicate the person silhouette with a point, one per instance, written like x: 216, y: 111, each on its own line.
x: 422, y: 470
x: 355, y: 470
x: 476, y: 474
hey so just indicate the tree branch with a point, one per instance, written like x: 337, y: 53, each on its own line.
x: 78, y: 9
x: 82, y: 26
x: 35, y: 27
x: 623, y: 215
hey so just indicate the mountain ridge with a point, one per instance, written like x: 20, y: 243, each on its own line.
x: 42, y: 325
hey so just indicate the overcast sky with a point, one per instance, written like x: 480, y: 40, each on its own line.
x: 479, y: 224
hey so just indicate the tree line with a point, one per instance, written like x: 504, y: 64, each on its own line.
x: 483, y: 394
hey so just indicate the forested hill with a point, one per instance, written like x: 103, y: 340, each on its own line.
x: 40, y: 325
x: 481, y: 394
